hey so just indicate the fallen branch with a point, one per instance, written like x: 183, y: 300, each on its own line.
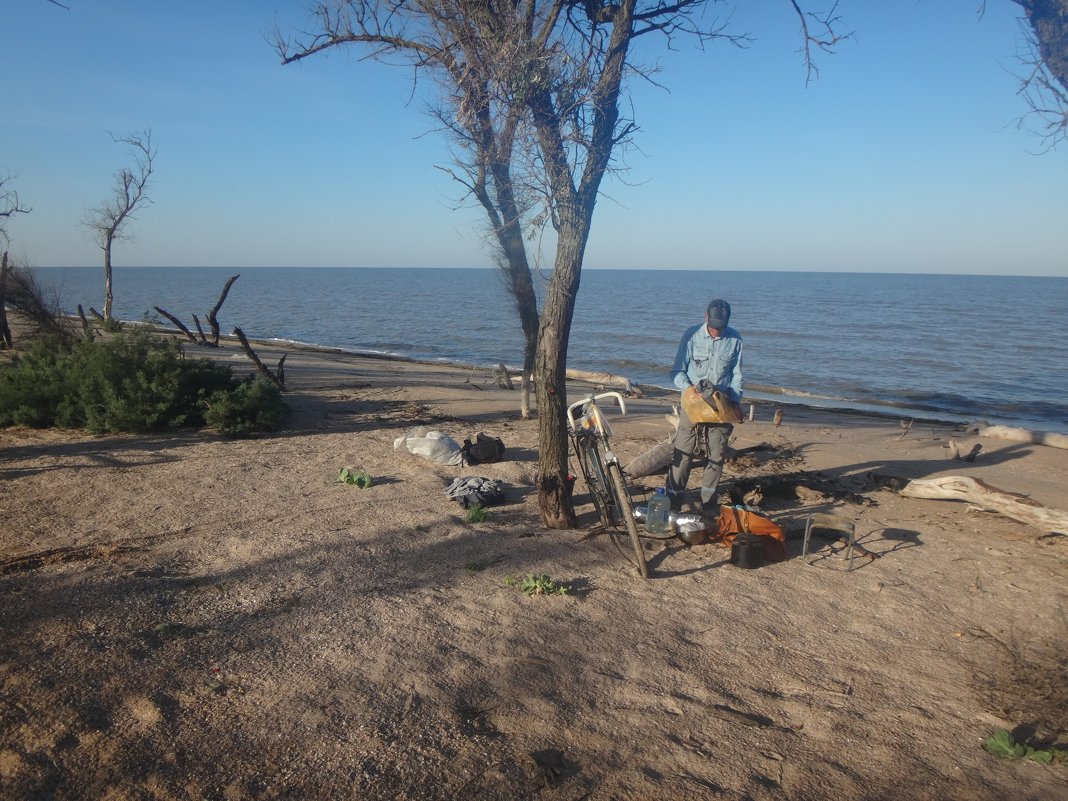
x: 972, y: 490
x: 263, y: 368
x: 174, y: 320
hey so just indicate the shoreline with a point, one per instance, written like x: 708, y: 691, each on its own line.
x: 761, y: 397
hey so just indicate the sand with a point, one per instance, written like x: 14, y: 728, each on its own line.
x: 190, y: 617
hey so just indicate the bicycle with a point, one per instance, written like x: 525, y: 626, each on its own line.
x: 590, y: 438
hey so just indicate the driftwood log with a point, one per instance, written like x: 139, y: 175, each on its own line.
x: 278, y: 379
x: 654, y: 460
x: 608, y: 379
x: 972, y: 490
x: 1050, y: 439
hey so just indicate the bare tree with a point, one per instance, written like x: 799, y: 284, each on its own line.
x: 9, y: 207
x: 549, y: 73
x: 452, y: 43
x: 1045, y: 84
x: 109, y: 221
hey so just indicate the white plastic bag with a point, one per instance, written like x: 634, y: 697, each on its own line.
x: 437, y: 446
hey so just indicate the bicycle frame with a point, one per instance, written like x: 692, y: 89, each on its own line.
x: 590, y: 438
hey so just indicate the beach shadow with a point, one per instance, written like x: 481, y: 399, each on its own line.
x: 108, y: 452
x: 657, y: 561
x: 899, y: 539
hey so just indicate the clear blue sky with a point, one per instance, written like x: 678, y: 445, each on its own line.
x: 903, y: 156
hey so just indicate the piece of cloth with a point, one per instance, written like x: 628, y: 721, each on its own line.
x: 471, y: 491
x: 718, y: 361
x: 682, y: 460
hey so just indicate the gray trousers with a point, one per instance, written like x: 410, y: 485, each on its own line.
x: 685, y: 447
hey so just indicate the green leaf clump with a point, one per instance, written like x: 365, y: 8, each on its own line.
x: 537, y: 585
x: 348, y: 475
x: 131, y: 382
x: 1001, y: 744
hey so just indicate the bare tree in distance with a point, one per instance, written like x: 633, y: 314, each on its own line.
x: 557, y: 67
x: 109, y: 221
x: 10, y: 205
x: 1045, y: 84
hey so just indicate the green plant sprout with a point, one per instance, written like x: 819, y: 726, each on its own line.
x: 477, y: 514
x: 537, y: 585
x: 347, y: 475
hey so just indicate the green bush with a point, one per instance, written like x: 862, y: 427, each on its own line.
x: 253, y: 405
x: 131, y: 382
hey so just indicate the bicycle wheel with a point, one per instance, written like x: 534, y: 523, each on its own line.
x: 623, y: 507
x: 589, y: 459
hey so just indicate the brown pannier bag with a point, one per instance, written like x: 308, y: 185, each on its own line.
x: 733, y: 521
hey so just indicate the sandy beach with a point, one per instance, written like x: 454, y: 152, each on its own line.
x: 190, y: 617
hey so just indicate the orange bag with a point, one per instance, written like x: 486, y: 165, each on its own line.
x: 733, y: 521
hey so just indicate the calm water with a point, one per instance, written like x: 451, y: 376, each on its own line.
x: 952, y: 347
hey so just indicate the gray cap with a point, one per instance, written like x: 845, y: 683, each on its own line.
x: 719, y: 313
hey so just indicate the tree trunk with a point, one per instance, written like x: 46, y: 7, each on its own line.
x: 554, y: 501
x: 5, y: 330
x: 107, y: 278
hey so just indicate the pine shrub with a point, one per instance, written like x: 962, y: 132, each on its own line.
x: 131, y: 382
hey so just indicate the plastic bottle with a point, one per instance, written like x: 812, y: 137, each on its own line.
x: 658, y: 519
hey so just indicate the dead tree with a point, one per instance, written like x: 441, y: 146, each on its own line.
x: 9, y: 207
x: 276, y: 378
x: 109, y: 222
x: 213, y: 319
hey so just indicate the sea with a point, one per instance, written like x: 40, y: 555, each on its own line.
x: 944, y: 347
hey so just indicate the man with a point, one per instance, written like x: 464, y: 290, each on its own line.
x: 709, y: 357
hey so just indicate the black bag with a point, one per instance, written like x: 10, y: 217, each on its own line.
x: 484, y: 450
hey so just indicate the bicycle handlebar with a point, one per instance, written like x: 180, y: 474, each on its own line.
x: 592, y: 399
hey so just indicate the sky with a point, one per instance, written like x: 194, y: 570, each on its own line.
x: 904, y: 155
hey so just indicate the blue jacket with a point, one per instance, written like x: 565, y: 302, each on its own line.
x: 718, y: 360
